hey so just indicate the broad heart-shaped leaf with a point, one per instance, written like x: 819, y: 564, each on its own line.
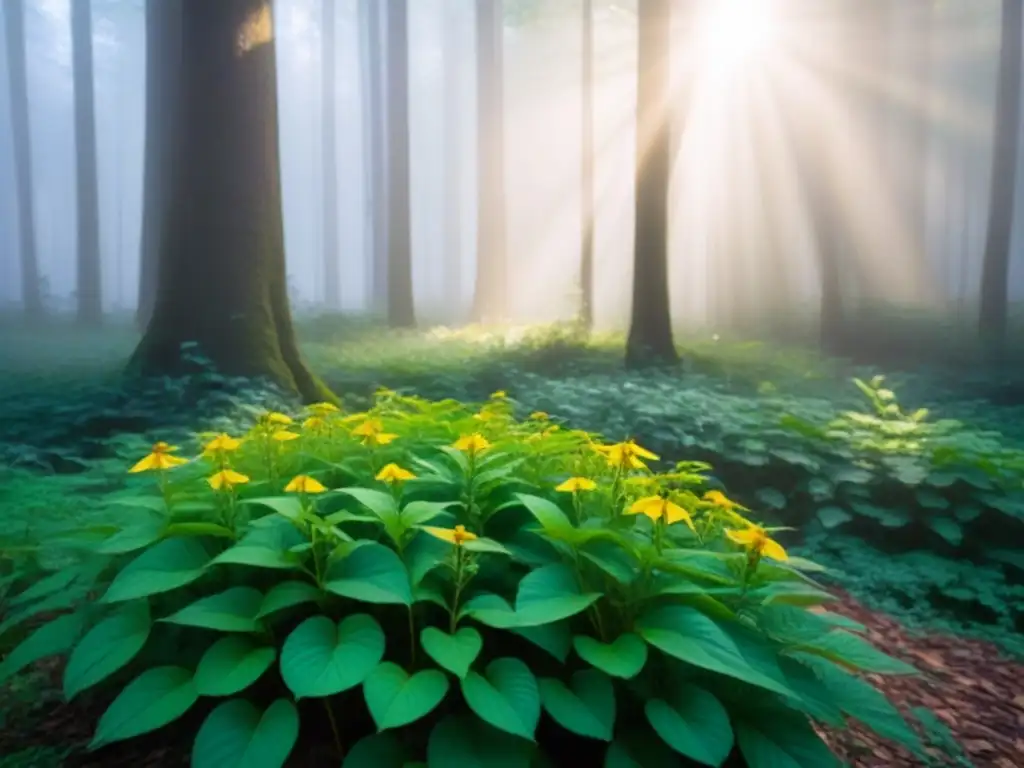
x: 947, y: 528
x: 690, y: 636
x: 141, y: 534
x: 624, y: 657
x: 463, y: 741
x: 237, y: 735
x: 320, y: 658
x: 231, y: 665
x: 490, y: 610
x: 694, y: 723
x: 550, y: 594
x: 555, y: 638
x: 286, y: 594
x: 372, y: 573
x: 854, y: 651
x: 170, y: 564
x: 457, y: 652
x: 233, y: 610
x: 379, y: 750
x: 832, y: 516
x: 507, y: 697
x: 152, y: 700
x: 381, y: 504
x: 289, y: 507
x: 781, y: 739
x: 107, y: 647
x: 422, y: 512
x: 54, y: 637
x: 586, y: 707
x: 396, y: 699
x: 548, y: 514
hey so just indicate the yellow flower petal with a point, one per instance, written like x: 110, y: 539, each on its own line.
x: 651, y: 506
x: 368, y: 428
x: 774, y: 550
x: 222, y: 443
x: 392, y: 473
x: 674, y: 514
x: 577, y: 484
x: 226, y: 479
x: 475, y: 443
x: 283, y: 436
x: 744, y: 538
x: 539, y: 416
x: 304, y: 484
x: 457, y: 535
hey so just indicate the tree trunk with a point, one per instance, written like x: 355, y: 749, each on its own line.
x: 373, y: 151
x: 587, y: 169
x: 650, y: 330
x: 89, y: 283
x: 163, y: 62
x: 401, y: 310
x: 31, y: 287
x: 332, y: 286
x: 996, y: 266
x: 221, y: 281
x: 490, y: 298
x: 453, y: 163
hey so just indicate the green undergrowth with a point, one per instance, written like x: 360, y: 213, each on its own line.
x: 429, y: 583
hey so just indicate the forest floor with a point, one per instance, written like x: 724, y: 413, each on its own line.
x: 68, y: 436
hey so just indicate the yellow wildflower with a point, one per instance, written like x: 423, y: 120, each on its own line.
x: 226, y: 479
x: 304, y: 484
x: 273, y: 417
x: 457, y: 535
x: 626, y: 455
x: 539, y: 416
x: 159, y: 458
x: 368, y: 428
x: 392, y: 473
x: 756, y: 540
x: 314, y: 424
x: 577, y: 484
x: 222, y: 443
x: 660, y: 508
x: 501, y: 394
x: 719, y: 499
x: 472, y: 444
x: 485, y: 415
x: 322, y: 409
x: 283, y: 436
x: 381, y: 438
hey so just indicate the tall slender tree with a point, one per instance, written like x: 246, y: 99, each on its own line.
x: 375, y: 160
x: 163, y: 60
x: 331, y: 276
x: 89, y: 282
x: 996, y: 266
x: 650, y: 329
x: 14, y: 34
x: 453, y: 148
x: 490, y: 298
x: 587, y: 167
x: 221, y: 279
x: 401, y: 311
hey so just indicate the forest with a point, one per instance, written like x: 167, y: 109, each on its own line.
x: 523, y: 383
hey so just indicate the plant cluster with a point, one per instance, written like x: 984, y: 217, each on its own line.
x: 456, y: 586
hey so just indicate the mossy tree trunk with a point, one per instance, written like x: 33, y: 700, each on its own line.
x: 331, y: 277
x: 996, y: 266
x: 490, y: 296
x: 163, y: 62
x: 31, y: 287
x: 401, y: 310
x: 221, y: 278
x: 650, y: 331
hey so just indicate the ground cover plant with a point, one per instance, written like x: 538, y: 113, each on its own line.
x: 427, y: 580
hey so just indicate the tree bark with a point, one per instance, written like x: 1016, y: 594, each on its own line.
x: 996, y: 266
x: 650, y: 331
x: 587, y: 168
x: 163, y: 61
x: 373, y: 151
x: 490, y: 297
x: 89, y: 279
x: 401, y: 310
x: 331, y: 277
x: 453, y: 163
x: 221, y: 281
x: 31, y: 285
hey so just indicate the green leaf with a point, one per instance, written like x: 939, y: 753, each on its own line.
x: 490, y: 610
x: 465, y: 742
x: 199, y: 529
x: 948, y: 529
x: 694, y: 723
x: 832, y: 517
x: 554, y: 638
x: 396, y: 699
x: 152, y: 700
x: 422, y: 512
x: 170, y: 564
x: 231, y: 665
x: 57, y: 636
x: 381, y: 504
x: 372, y: 573
x: 484, y: 544
x: 233, y: 610
x: 140, y: 535
x: 320, y: 658
x: 289, y: 507
x: 457, y: 652
x: 690, y: 636
x: 237, y: 735
x: 107, y: 647
x: 639, y: 747
x: 929, y: 498
x: 257, y: 557
x: 549, y: 594
x: 624, y: 657
x: 379, y: 750
x: 507, y: 697
x: 771, y: 497
x: 48, y: 585
x: 777, y: 739
x: 586, y: 707
x: 286, y: 594
x: 854, y: 651
x: 548, y: 514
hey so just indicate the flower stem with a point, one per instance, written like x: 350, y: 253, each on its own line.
x: 334, y: 727
x: 412, y: 639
